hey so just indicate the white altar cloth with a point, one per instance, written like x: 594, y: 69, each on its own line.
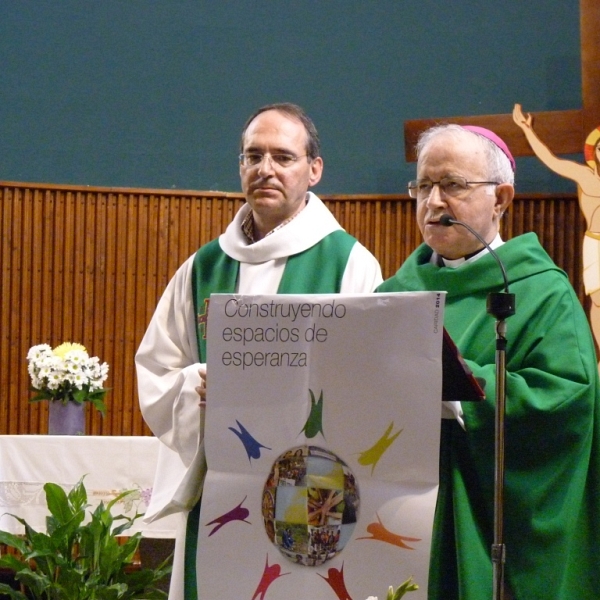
x: 111, y: 465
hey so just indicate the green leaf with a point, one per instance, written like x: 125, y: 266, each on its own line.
x: 13, y: 541
x: 14, y: 594
x: 34, y: 581
x: 120, y: 497
x: 80, y: 396
x: 10, y: 561
x: 58, y: 502
x: 78, y: 496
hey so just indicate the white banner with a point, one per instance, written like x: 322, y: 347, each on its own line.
x: 322, y: 439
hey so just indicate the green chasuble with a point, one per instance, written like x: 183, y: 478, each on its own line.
x: 552, y: 459
x: 318, y: 270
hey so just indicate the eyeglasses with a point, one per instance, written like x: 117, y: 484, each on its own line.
x: 252, y: 159
x: 449, y: 186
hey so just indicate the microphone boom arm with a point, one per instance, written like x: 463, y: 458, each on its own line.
x: 501, y: 305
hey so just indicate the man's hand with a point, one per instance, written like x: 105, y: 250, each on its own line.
x: 201, y: 389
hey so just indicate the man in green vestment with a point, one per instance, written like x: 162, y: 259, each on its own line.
x: 283, y: 240
x: 552, y: 458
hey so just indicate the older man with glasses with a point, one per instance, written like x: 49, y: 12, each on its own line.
x: 552, y: 452
x: 283, y: 240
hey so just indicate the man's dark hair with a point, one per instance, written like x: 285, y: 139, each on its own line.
x: 313, y: 144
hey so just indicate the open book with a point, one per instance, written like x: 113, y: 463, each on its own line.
x: 458, y: 381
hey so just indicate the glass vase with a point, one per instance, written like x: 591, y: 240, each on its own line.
x: 66, y: 418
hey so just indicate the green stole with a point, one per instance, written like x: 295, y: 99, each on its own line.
x: 318, y: 270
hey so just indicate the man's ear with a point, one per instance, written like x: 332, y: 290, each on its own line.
x: 505, y: 193
x: 316, y: 170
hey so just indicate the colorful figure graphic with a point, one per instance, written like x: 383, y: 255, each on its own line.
x: 314, y: 423
x: 335, y: 578
x: 373, y: 454
x: 380, y: 533
x: 251, y: 446
x: 235, y: 514
x: 270, y: 574
x: 587, y: 178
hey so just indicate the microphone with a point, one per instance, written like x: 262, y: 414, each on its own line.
x: 501, y: 305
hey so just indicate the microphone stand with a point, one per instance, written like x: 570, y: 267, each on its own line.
x: 500, y: 305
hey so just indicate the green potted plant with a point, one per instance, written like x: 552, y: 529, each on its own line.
x: 76, y: 560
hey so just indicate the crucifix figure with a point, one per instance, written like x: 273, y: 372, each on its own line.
x: 587, y: 178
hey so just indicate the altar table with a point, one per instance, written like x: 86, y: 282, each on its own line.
x: 111, y: 465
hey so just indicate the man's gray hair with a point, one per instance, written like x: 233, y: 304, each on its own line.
x: 499, y: 167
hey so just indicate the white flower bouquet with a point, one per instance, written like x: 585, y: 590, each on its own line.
x: 67, y: 374
x: 407, y: 586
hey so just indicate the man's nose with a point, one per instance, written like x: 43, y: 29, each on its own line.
x: 436, y: 198
x: 265, y: 166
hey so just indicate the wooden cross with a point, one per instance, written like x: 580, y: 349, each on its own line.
x: 565, y: 131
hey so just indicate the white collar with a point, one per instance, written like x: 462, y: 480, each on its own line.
x: 457, y: 262
x: 309, y: 227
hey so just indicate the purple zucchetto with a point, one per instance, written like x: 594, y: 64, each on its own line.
x: 490, y: 135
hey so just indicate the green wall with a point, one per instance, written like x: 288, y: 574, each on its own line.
x: 153, y: 93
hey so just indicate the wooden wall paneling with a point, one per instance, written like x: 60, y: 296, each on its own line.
x: 195, y: 224
x: 542, y: 221
x: 508, y: 225
x: 24, y: 294
x: 32, y: 303
x: 6, y: 381
x: 89, y: 265
x: 362, y: 220
x: 115, y: 309
x: 43, y: 316
x: 224, y: 216
x: 104, y: 283
x: 228, y: 216
x: 392, y: 239
x: 19, y: 269
x: 66, y: 291
x: 50, y: 319
x: 378, y: 222
x: 133, y: 419
x: 177, y: 233
x: 151, y: 250
x: 145, y: 285
x: 41, y: 294
x: 172, y: 236
x: 112, y: 302
x: 84, y: 253
x: 16, y: 327
x: 126, y: 333
x: 12, y: 292
x: 400, y: 236
x: 203, y: 216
